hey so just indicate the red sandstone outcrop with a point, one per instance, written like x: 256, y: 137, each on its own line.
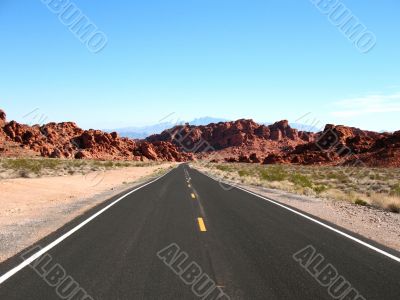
x: 341, y: 145
x: 67, y: 140
x: 243, y: 135
x: 239, y: 141
x: 249, y: 142
x: 2, y: 118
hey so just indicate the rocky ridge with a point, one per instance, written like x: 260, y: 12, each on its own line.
x: 238, y: 141
x: 249, y: 142
x: 67, y: 140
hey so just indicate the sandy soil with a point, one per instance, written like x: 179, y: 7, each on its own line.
x: 375, y: 224
x: 33, y: 208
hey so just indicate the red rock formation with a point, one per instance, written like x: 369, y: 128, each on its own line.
x: 249, y: 142
x: 238, y: 141
x: 2, y: 118
x: 274, y: 159
x: 228, y: 134
x: 149, y: 151
x: 235, y: 141
x: 2, y: 134
x: 341, y: 145
x: 67, y: 140
x: 384, y: 151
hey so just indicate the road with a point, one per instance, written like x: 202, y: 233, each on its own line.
x: 244, y: 244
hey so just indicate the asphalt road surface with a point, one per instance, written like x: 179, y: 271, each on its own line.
x: 185, y: 237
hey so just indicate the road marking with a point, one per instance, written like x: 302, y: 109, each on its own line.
x: 189, y: 185
x: 202, y: 226
x: 193, y: 196
x: 387, y: 254
x: 38, y: 254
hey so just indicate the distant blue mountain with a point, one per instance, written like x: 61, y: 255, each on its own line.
x: 206, y: 121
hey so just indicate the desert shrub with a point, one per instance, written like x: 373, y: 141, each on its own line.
x: 331, y: 175
x: 307, y: 191
x: 49, y: 163
x: 320, y: 188
x: 24, y: 174
x: 30, y: 165
x: 395, y: 190
x: 275, y: 173
x: 120, y: 164
x: 360, y: 202
x: 108, y: 164
x: 393, y: 207
x: 338, y: 176
x: 243, y: 173
x: 224, y: 168
x: 77, y: 163
x: 96, y: 163
x: 301, y: 180
x: 141, y: 164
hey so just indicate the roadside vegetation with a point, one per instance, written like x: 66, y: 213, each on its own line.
x: 376, y: 187
x: 31, y: 167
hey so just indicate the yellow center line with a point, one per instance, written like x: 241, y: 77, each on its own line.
x: 193, y: 196
x: 202, y: 226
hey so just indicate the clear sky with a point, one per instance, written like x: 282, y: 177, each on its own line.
x: 261, y: 59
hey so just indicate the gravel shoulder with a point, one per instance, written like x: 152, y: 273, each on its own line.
x: 32, y: 208
x: 375, y: 224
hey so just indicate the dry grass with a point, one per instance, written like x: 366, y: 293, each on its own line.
x: 31, y: 168
x: 377, y: 187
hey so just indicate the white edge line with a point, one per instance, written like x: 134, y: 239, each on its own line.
x: 395, y: 258
x: 35, y: 256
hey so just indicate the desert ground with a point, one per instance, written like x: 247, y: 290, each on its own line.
x: 39, y: 196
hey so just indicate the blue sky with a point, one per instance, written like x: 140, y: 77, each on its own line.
x: 261, y: 59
